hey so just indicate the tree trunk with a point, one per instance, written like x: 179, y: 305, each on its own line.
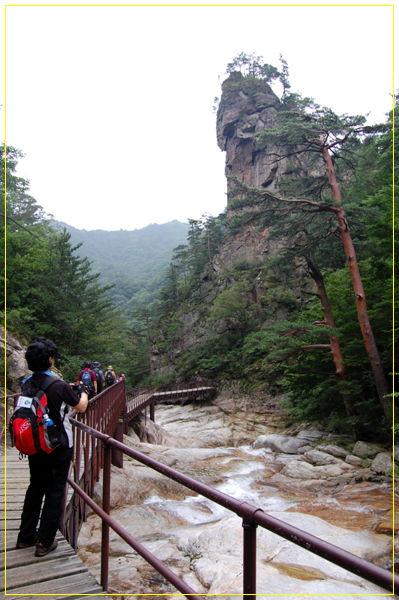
x: 368, y: 337
x: 335, y: 347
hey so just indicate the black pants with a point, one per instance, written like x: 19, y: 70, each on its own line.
x: 48, y: 474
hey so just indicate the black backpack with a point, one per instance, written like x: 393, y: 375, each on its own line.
x: 98, y: 375
x: 110, y: 378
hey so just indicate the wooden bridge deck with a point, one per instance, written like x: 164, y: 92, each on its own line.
x: 137, y: 404
x: 61, y: 573
x: 193, y: 392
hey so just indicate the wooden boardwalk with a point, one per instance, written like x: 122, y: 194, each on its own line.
x: 137, y: 404
x: 60, y: 574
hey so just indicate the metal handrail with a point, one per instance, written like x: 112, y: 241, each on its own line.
x: 7, y: 397
x: 252, y: 516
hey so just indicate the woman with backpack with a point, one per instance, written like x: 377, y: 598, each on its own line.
x: 48, y: 469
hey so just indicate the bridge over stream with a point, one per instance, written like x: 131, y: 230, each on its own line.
x: 98, y: 442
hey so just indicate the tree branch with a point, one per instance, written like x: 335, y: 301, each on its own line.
x: 19, y: 225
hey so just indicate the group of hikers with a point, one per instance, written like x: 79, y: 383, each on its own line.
x: 94, y: 378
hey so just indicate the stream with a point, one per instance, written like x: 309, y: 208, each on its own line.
x: 202, y: 542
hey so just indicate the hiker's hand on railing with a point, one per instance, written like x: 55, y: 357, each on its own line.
x: 82, y: 388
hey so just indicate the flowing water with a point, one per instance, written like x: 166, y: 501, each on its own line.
x: 202, y: 542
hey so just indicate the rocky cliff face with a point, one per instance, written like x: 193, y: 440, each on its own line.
x: 17, y: 367
x: 247, y: 107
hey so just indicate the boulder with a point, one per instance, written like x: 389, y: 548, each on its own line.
x: 279, y: 443
x: 334, y: 450
x: 304, y: 449
x: 287, y: 458
x: 355, y: 461
x: 310, y: 436
x: 362, y: 449
x: 302, y: 470
x: 382, y: 463
x: 315, y: 457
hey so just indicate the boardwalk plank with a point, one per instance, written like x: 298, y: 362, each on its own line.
x: 20, y: 558
x: 45, y: 571
x: 62, y: 588
x: 61, y: 574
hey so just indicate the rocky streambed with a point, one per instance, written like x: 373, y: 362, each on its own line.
x: 309, y: 479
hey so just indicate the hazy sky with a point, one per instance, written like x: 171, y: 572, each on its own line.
x: 112, y: 105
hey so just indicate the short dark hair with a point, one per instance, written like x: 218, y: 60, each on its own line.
x: 39, y: 352
x: 87, y: 363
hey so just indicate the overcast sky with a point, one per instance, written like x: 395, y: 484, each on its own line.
x: 112, y: 106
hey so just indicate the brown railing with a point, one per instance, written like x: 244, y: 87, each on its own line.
x: 104, y: 413
x: 251, y: 516
x: 140, y: 399
x: 138, y: 403
x: 8, y: 402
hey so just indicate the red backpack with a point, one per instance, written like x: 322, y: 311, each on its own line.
x: 31, y: 428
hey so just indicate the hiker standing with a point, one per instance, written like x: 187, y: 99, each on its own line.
x: 88, y: 378
x: 99, y: 376
x: 48, y: 472
x: 110, y: 376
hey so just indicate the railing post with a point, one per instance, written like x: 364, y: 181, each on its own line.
x: 105, y: 526
x: 249, y: 563
x: 152, y: 411
x: 117, y: 455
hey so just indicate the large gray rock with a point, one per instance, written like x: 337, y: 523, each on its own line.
x: 310, y: 436
x: 287, y: 458
x: 315, y: 457
x: 303, y: 470
x: 334, y: 450
x: 280, y: 443
x: 355, y: 461
x: 382, y: 463
x: 364, y: 450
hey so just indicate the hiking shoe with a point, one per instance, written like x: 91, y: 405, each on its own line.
x: 20, y: 545
x: 43, y: 550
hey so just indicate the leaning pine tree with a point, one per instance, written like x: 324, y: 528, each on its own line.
x: 312, y: 142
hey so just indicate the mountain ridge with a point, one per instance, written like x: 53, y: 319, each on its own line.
x: 139, y: 253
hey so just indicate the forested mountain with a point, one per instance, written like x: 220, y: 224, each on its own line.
x: 139, y: 254
x: 132, y: 262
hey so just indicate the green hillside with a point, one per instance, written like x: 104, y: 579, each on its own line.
x: 141, y: 253
x: 132, y: 261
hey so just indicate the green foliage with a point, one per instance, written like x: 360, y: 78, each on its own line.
x: 133, y: 264
x: 252, y: 65
x: 233, y: 311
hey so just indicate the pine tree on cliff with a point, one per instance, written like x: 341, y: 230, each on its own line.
x: 317, y: 148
